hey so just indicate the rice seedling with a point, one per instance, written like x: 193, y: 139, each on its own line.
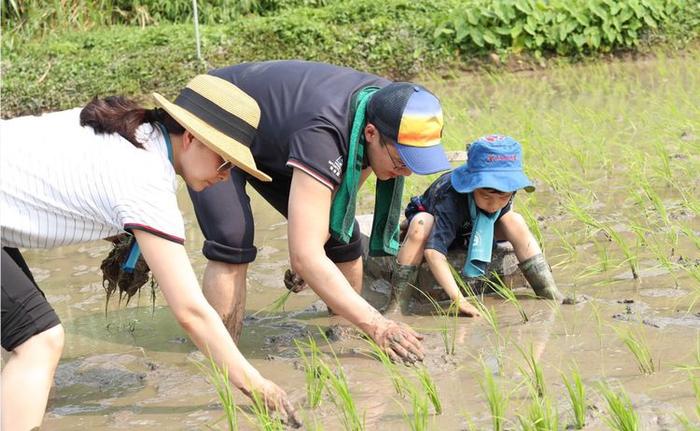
x: 531, y: 221
x: 685, y: 423
x: 637, y: 345
x: 266, y: 420
x: 535, y: 376
x: 566, y: 244
x: 338, y: 390
x: 314, y: 377
x: 630, y: 257
x: 497, y: 400
x: 488, y: 314
x: 542, y: 416
x: 277, y: 305
x: 577, y: 397
x: 653, y: 197
x: 688, y: 232
x: 447, y: 320
x: 621, y: 414
x: 417, y: 420
x: 429, y: 388
x: 507, y: 294
x: 218, y: 377
x: 398, y: 381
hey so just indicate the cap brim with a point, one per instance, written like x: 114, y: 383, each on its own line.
x: 506, y: 181
x: 424, y: 160
x: 227, y: 147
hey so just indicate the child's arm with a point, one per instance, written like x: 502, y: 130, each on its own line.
x: 441, y: 271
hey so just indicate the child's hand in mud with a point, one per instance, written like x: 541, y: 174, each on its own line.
x: 294, y: 282
x: 276, y: 400
x: 468, y: 309
x: 399, y: 341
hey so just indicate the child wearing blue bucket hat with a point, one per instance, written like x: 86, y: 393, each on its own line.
x: 470, y: 207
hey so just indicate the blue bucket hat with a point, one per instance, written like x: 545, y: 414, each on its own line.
x: 493, y: 161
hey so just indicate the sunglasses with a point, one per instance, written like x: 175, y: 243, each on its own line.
x: 225, y: 166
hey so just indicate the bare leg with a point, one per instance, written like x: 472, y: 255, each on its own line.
x: 27, y: 379
x: 512, y: 227
x: 411, y: 252
x: 352, y: 271
x: 224, y: 286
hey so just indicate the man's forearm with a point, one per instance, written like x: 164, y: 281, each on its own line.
x: 329, y: 283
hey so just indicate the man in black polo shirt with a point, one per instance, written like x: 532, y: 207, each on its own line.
x: 303, y: 143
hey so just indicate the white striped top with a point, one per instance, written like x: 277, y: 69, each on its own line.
x: 60, y: 183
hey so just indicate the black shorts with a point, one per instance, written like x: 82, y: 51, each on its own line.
x: 225, y: 217
x: 25, y: 311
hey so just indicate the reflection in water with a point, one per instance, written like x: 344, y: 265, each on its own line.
x: 133, y: 367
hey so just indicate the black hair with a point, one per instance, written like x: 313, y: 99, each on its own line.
x: 117, y: 114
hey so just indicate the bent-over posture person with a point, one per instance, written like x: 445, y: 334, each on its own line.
x: 323, y: 130
x: 469, y: 208
x: 82, y: 175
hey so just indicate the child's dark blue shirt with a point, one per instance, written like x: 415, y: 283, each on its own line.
x: 453, y: 224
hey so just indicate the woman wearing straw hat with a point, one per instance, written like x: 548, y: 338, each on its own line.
x: 323, y: 130
x: 50, y: 197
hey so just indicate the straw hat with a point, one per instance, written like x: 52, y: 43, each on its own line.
x: 221, y: 116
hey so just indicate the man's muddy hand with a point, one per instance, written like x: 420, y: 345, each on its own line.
x: 276, y: 400
x: 400, y: 342
x: 294, y: 282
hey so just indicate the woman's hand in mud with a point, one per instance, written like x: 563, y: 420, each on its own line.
x: 294, y: 282
x: 399, y: 341
x: 276, y: 400
x: 467, y: 309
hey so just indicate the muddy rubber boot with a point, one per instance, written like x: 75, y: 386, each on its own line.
x: 538, y: 273
x: 403, y: 280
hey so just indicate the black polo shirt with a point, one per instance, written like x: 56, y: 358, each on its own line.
x: 305, y: 115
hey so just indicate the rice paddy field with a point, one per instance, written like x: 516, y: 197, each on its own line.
x: 614, y: 150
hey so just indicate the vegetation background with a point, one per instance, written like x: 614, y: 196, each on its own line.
x: 58, y: 54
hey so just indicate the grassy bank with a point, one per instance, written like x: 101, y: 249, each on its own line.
x: 55, y: 58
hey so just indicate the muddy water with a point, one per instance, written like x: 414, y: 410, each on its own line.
x: 134, y: 368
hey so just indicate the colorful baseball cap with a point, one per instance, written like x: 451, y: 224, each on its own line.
x: 493, y: 161
x: 411, y: 116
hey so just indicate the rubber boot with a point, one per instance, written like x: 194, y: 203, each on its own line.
x: 538, y: 273
x: 403, y: 281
